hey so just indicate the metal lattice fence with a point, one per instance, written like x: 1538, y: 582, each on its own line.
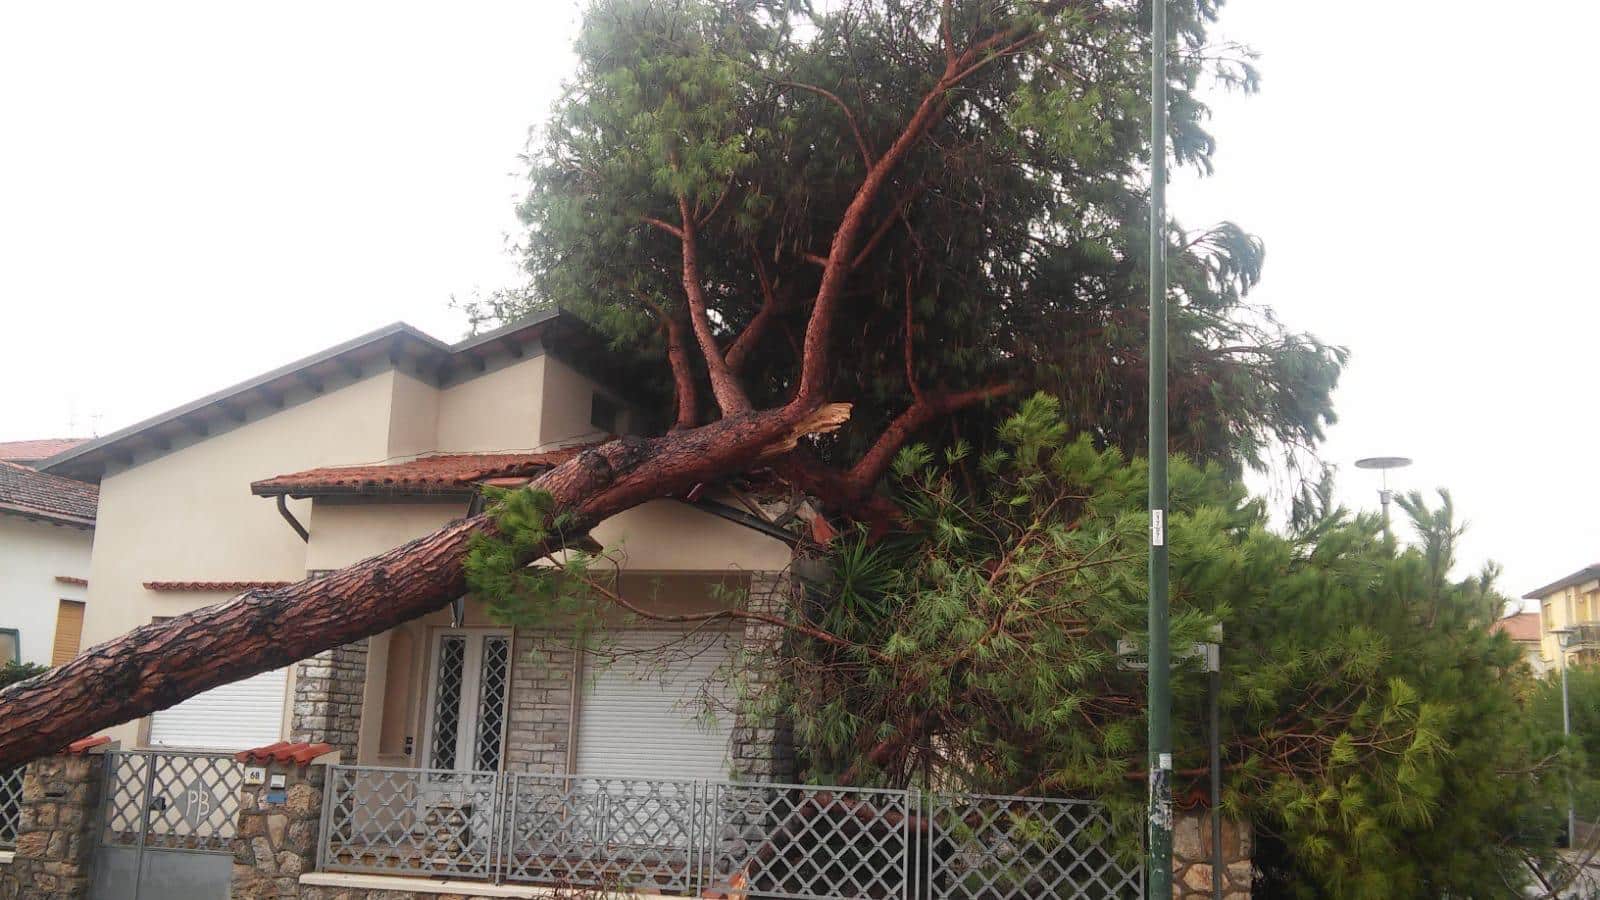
x: 166, y: 800
x: 10, y: 806
x: 1017, y: 848
x: 784, y: 842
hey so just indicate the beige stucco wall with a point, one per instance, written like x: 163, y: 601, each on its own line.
x: 32, y: 554
x: 345, y: 532
x: 414, y: 422
x: 189, y: 515
x: 497, y: 410
x: 665, y: 536
x: 568, y: 403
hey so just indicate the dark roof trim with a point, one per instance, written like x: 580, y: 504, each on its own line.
x: 1587, y: 573
x: 392, y: 342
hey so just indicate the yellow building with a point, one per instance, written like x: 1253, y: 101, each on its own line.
x: 1570, y: 602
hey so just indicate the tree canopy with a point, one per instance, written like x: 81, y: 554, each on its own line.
x: 690, y: 184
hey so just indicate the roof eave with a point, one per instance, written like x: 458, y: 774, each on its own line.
x: 54, y: 518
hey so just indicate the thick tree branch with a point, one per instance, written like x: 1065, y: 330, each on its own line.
x: 751, y: 336
x: 687, y: 415
x: 724, y: 385
x: 157, y: 665
x: 841, y: 255
x: 928, y: 407
x: 668, y: 227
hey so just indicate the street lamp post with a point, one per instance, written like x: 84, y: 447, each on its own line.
x: 1383, y: 464
x: 1159, y: 845
x: 1564, y: 639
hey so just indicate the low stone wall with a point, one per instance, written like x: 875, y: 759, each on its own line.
x: 55, y: 835
x: 276, y: 837
x: 1192, y: 859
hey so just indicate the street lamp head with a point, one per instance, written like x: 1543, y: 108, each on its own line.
x: 1383, y: 462
x: 1564, y: 636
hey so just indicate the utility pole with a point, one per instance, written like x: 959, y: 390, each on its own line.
x: 1159, y: 857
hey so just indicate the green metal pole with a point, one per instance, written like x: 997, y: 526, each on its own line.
x: 1159, y: 860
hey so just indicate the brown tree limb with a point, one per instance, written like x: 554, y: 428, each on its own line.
x: 739, y: 352
x: 725, y: 385
x: 928, y: 407
x: 841, y: 255
x: 687, y: 414
x: 849, y: 116
x: 157, y: 665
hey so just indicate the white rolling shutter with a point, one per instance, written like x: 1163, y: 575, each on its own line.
x: 235, y: 716
x: 642, y: 717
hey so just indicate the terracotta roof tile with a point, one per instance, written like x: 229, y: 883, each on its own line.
x: 451, y: 473
x: 71, y: 579
x: 232, y: 587
x: 84, y: 745
x: 300, y: 753
x: 34, y: 494
x: 32, y: 451
x: 1521, y: 627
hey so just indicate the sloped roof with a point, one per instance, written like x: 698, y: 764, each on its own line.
x: 1521, y: 627
x: 445, y: 474
x: 1587, y: 573
x: 35, y: 450
x: 36, y: 495
x: 398, y: 346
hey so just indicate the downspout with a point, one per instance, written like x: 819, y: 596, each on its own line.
x: 283, y: 510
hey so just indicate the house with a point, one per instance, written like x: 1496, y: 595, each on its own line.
x: 46, y: 531
x: 1570, y: 602
x: 1524, y: 631
x: 384, y: 438
x: 31, y: 452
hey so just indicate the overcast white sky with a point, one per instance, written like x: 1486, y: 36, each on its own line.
x: 192, y: 194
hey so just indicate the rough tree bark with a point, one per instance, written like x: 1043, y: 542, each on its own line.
x: 158, y: 665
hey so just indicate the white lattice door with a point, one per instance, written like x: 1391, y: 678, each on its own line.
x: 471, y: 676
x: 465, y: 743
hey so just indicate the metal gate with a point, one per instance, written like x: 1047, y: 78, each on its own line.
x: 167, y: 825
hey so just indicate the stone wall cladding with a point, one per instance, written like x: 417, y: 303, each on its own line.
x: 540, y: 724
x: 763, y: 742
x: 1191, y: 857
x: 328, y: 692
x: 55, y: 835
x: 275, y: 842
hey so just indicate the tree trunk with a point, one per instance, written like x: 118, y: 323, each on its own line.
x: 158, y: 665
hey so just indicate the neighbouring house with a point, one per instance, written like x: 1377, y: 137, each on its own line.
x: 46, y: 532
x: 1570, y: 602
x: 384, y: 438
x: 1524, y: 631
x: 31, y: 452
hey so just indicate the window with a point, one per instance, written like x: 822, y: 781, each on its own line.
x: 10, y: 646
x: 69, y: 631
x: 237, y: 716
x: 604, y: 413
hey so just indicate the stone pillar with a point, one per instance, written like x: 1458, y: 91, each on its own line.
x: 275, y: 839
x: 1191, y: 856
x: 56, y: 830
x: 763, y: 737
x: 328, y: 693
x: 539, y: 730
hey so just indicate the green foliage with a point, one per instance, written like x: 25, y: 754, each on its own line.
x: 13, y: 672
x: 1374, y: 729
x: 1016, y: 234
